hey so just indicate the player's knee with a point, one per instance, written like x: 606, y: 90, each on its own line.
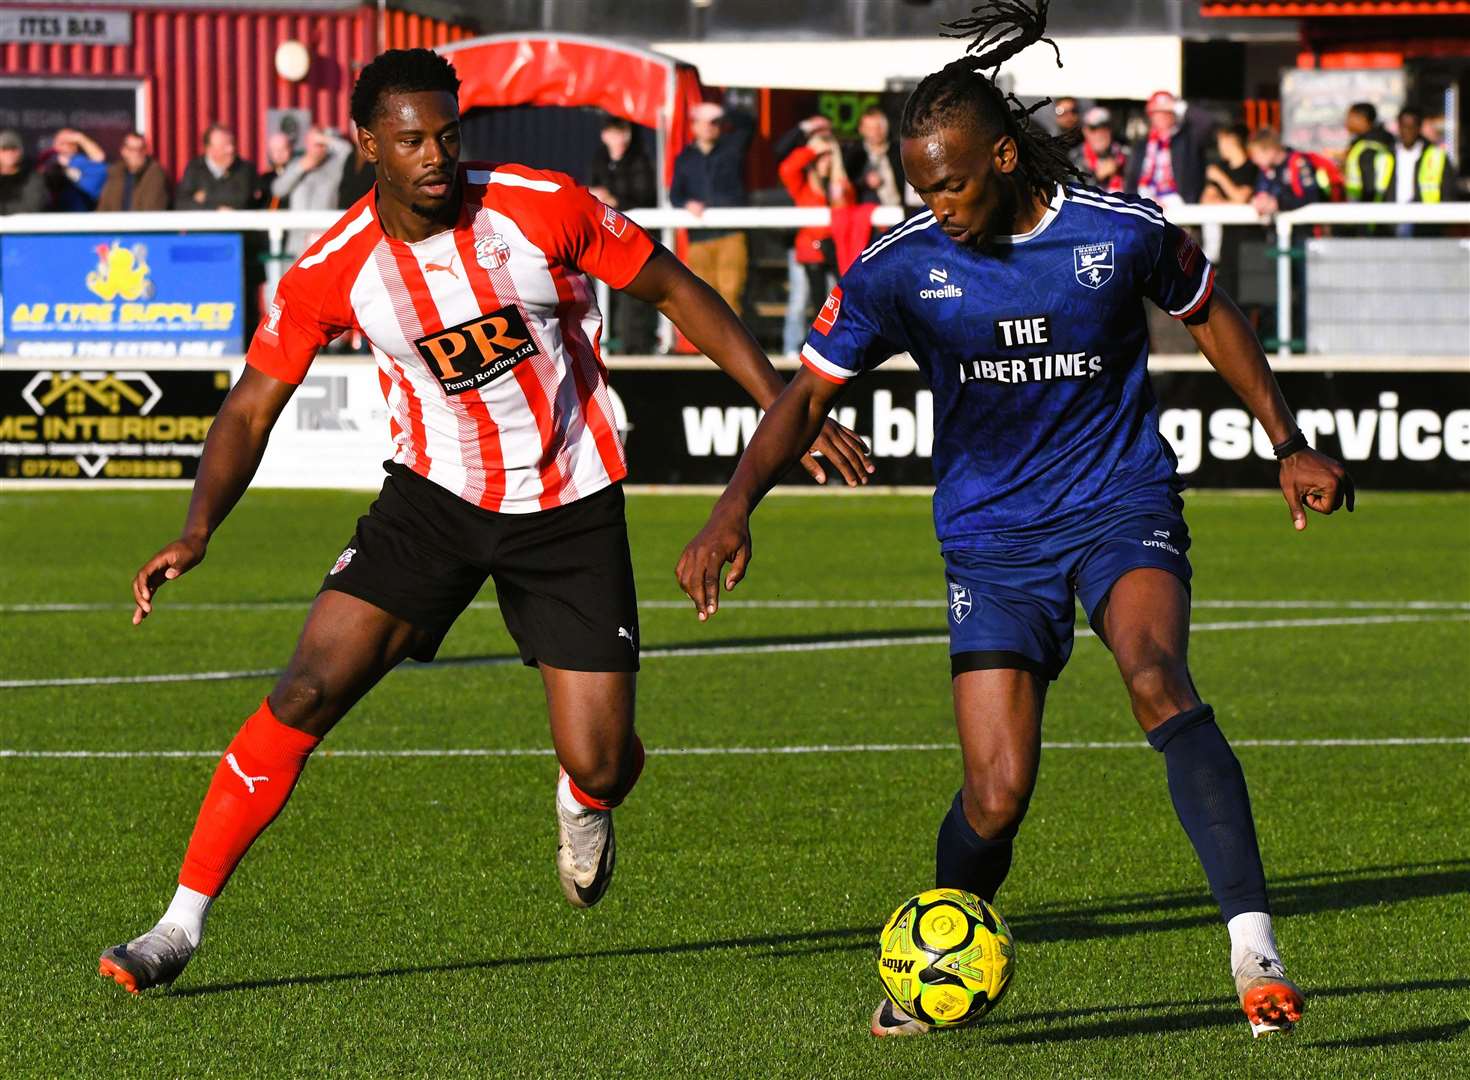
x: 1158, y: 689
x: 995, y: 806
x: 302, y: 700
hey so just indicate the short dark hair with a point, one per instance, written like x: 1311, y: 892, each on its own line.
x: 1239, y: 132
x: 400, y: 71
x: 610, y: 121
x: 1366, y: 109
x: 1416, y: 111
x: 211, y: 129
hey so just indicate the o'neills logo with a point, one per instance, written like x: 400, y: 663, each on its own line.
x: 477, y: 352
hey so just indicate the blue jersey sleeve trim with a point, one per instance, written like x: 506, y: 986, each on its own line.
x: 1200, y: 297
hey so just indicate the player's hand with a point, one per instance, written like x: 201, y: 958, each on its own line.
x: 725, y: 538
x: 173, y: 561
x: 844, y: 450
x: 1316, y: 481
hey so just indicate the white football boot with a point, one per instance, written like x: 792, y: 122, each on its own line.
x: 585, y: 854
x: 889, y: 1019
x: 156, y: 958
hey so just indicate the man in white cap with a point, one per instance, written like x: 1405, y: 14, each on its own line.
x: 1098, y: 155
x: 710, y: 171
x: 1168, y: 164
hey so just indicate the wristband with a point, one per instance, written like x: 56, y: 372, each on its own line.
x: 1296, y: 443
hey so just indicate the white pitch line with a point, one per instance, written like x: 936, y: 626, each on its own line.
x: 679, y: 651
x: 727, y: 751
x: 761, y: 605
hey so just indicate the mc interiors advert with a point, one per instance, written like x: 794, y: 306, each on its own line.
x: 122, y: 297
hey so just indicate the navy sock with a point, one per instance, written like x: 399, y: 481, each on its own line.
x: 963, y: 859
x: 1208, y: 789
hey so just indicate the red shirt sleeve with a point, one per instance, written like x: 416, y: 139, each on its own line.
x: 300, y: 321
x: 599, y: 240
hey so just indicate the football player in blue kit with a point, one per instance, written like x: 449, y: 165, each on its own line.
x: 1019, y: 294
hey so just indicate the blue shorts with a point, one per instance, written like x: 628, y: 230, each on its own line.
x: 1014, y: 605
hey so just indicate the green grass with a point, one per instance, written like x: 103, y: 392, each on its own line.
x: 403, y: 916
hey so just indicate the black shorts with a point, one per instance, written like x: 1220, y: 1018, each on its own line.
x: 564, y: 576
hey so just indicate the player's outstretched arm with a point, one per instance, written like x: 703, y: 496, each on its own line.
x: 790, y: 425
x: 1308, y: 479
x: 232, y: 453
x: 707, y: 321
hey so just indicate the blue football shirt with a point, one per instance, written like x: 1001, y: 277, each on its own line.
x: 1036, y: 350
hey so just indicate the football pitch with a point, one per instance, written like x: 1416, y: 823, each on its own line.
x: 402, y: 917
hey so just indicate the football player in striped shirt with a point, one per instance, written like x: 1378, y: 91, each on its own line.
x: 1020, y: 296
x: 471, y: 282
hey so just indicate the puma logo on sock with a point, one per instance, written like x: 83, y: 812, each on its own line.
x: 250, y: 781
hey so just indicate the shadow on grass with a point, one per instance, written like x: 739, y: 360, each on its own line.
x: 1113, y: 1021
x: 1435, y: 1033
x: 1303, y: 894
x: 853, y: 937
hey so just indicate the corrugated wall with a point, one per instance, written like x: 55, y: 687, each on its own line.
x: 200, y: 67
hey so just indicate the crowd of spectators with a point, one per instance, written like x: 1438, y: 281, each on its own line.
x: 71, y: 173
x: 1181, y: 156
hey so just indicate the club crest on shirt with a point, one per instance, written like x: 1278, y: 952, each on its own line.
x: 342, y: 561
x: 492, y: 252
x: 959, y: 602
x: 1093, y: 264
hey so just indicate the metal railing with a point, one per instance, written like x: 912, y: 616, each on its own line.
x: 276, y: 223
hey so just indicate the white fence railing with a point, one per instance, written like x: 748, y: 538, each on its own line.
x: 275, y: 224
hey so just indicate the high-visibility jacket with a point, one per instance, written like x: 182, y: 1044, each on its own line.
x: 1368, y: 169
x: 1429, y: 176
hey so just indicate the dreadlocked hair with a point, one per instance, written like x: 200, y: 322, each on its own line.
x: 399, y: 71
x: 964, y: 92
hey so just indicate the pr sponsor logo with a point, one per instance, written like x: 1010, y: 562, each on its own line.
x: 478, y: 351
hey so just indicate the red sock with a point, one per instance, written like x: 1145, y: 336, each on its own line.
x: 251, y: 785
x: 592, y: 802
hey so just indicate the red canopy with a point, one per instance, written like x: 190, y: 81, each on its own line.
x: 641, y: 86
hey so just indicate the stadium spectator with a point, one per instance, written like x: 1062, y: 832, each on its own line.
x: 796, y: 323
x: 1368, y: 167
x: 1233, y: 178
x: 311, y: 180
x: 22, y: 191
x: 218, y: 179
x: 279, y: 151
x: 873, y: 163
x: 75, y: 171
x: 136, y: 181
x: 710, y: 171
x: 813, y: 175
x: 1099, y: 156
x: 358, y: 174
x: 1423, y: 172
x: 1068, y: 114
x: 1168, y: 164
x: 622, y: 177
x: 1288, y: 178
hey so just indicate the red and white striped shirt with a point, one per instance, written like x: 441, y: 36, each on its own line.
x: 485, y: 335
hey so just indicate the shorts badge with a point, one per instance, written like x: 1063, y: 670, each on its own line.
x: 959, y: 602
x: 343, y: 560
